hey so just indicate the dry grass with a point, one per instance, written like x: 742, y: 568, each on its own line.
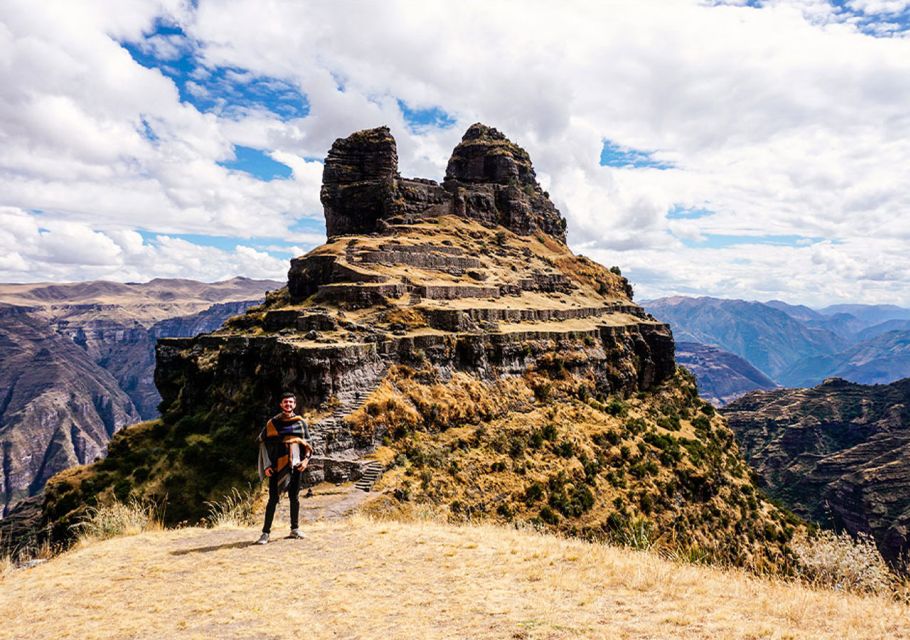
x: 362, y: 578
x: 237, y: 509
x: 6, y: 565
x: 118, y: 519
x: 840, y: 562
x: 530, y: 449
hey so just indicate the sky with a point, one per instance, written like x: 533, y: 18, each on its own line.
x: 736, y: 149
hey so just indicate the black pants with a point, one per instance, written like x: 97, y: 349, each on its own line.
x: 274, y: 494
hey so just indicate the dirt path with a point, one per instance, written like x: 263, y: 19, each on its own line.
x: 328, y: 502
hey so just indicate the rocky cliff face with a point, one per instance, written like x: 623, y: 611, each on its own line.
x: 492, y: 180
x: 448, y: 334
x: 76, y: 365
x: 838, y: 454
x: 58, y: 408
x: 489, y: 179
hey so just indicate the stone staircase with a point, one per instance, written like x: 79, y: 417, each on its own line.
x: 371, y: 474
x: 333, y: 445
x: 330, y: 430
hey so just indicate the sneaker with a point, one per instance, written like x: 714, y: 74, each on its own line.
x: 296, y: 534
x: 263, y: 539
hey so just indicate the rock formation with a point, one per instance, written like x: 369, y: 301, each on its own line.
x: 492, y: 180
x: 489, y: 179
x: 447, y: 335
x: 838, y: 454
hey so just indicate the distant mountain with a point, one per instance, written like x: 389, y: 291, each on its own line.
x: 881, y: 359
x: 868, y: 314
x: 883, y: 327
x: 721, y: 375
x: 796, y: 311
x: 77, y: 363
x: 771, y: 340
x: 794, y: 345
x: 838, y: 453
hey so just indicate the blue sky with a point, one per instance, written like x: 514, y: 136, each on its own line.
x: 711, y: 147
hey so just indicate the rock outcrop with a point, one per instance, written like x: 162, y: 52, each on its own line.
x: 492, y: 180
x: 838, y: 454
x: 489, y: 179
x: 447, y: 335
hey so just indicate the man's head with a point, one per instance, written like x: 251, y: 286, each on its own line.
x: 288, y: 402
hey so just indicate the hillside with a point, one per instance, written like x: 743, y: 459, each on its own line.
x: 59, y: 408
x: 838, y: 453
x: 361, y: 578
x: 446, y: 335
x: 77, y: 363
x: 722, y: 376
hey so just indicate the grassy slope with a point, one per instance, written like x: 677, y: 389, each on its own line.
x: 657, y: 468
x: 361, y: 578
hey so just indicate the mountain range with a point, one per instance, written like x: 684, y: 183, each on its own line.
x: 792, y: 345
x: 77, y: 363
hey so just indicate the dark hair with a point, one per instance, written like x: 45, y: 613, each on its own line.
x: 288, y: 394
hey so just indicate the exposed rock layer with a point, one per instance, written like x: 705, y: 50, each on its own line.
x: 838, y: 453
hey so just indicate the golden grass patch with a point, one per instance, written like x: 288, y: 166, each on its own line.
x: 364, y: 578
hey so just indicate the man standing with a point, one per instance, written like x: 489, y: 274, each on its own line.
x: 284, y: 452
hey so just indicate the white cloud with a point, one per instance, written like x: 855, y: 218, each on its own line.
x: 786, y: 120
x: 64, y: 250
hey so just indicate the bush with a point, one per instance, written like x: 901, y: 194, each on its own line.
x: 701, y: 424
x: 565, y: 449
x: 119, y: 519
x: 615, y: 407
x: 548, y: 515
x: 533, y: 493
x: 838, y: 561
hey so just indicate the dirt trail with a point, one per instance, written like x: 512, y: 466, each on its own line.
x: 328, y: 502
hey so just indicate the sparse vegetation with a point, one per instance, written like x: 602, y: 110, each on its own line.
x: 839, y: 561
x: 236, y: 509
x: 494, y: 582
x: 624, y: 471
x: 119, y: 519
